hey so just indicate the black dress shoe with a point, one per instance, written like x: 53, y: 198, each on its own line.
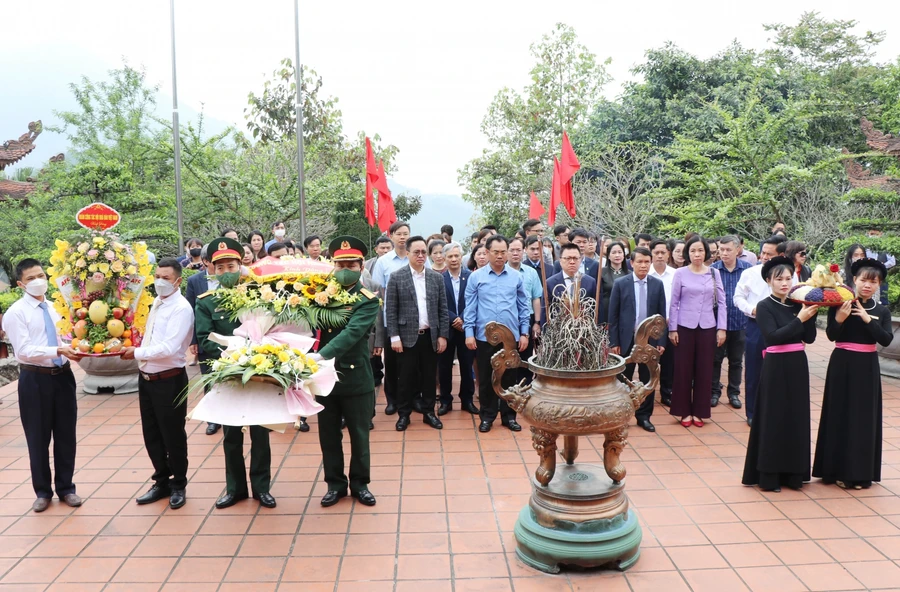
x: 177, y: 499
x: 485, y: 426
x: 645, y: 423
x: 212, y: 428
x: 513, y: 425
x: 714, y: 402
x: 432, y: 420
x: 390, y: 409
x: 343, y: 423
x: 229, y: 499
x: 332, y: 497
x: 265, y: 499
x: 470, y: 407
x: 365, y: 497
x: 445, y: 408
x: 371, y: 425
x: 750, y: 421
x: 155, y: 494
x: 303, y: 427
x: 667, y: 401
x: 735, y: 402
x: 417, y: 406
x: 402, y: 423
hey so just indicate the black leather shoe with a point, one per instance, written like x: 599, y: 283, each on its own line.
x: 445, y: 408
x: 365, y: 497
x: 155, y: 494
x: 714, y: 402
x: 417, y: 406
x: 734, y: 402
x: 177, y: 499
x: 265, y: 499
x: 750, y: 421
x: 470, y: 407
x: 667, y: 401
x: 402, y: 423
x: 645, y: 423
x: 343, y: 423
x: 390, y: 409
x: 332, y: 497
x: 485, y: 426
x: 371, y: 425
x: 432, y: 420
x: 303, y: 427
x: 212, y: 428
x: 229, y: 499
x: 513, y: 425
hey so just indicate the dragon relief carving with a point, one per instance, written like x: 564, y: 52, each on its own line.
x: 613, y: 446
x: 544, y: 443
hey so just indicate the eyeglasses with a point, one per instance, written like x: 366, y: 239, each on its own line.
x: 571, y: 258
x: 803, y: 253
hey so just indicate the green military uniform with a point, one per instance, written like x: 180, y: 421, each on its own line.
x: 208, y: 318
x: 353, y: 397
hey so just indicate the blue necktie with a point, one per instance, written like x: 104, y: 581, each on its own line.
x: 50, y: 330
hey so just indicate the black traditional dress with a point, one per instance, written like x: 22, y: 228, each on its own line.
x: 848, y: 447
x: 778, y: 450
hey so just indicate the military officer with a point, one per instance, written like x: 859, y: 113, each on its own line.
x: 208, y: 318
x: 353, y: 396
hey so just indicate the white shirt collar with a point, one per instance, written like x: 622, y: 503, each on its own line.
x: 34, y: 302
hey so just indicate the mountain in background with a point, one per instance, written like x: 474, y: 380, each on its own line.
x: 437, y: 210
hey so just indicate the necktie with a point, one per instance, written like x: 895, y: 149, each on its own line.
x: 642, y: 303
x: 50, y: 330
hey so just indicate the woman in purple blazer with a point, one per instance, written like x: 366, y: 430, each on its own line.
x: 697, y: 323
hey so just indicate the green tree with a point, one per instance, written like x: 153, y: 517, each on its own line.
x: 525, y: 128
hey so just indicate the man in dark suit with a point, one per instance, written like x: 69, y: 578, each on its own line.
x: 589, y: 267
x: 199, y: 284
x: 564, y: 281
x: 455, y: 278
x: 634, y: 298
x: 418, y: 325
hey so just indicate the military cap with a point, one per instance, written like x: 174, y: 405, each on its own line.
x: 225, y: 248
x: 343, y: 248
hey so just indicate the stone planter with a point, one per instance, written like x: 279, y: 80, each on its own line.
x: 889, y: 357
x: 9, y: 370
x: 111, y: 375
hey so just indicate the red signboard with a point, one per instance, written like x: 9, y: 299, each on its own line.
x: 98, y: 216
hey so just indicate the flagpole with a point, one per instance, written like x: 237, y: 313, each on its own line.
x: 176, y: 135
x: 298, y: 73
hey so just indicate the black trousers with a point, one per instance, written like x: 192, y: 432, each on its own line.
x: 524, y: 373
x: 733, y: 348
x: 491, y: 404
x: 162, y: 422
x: 47, y: 408
x: 356, y: 411
x: 667, y: 371
x: 416, y: 370
x: 456, y: 347
x: 645, y: 411
x: 390, y: 372
x: 377, y: 369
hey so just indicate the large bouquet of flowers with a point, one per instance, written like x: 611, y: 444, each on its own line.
x: 295, y: 291
x: 100, y: 292
x: 824, y: 288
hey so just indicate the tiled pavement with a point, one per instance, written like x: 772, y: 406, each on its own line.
x: 461, y: 492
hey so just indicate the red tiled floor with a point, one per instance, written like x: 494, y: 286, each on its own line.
x: 447, y: 504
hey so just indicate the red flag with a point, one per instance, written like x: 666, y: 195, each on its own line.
x: 568, y: 166
x: 386, y: 213
x: 555, y: 190
x: 371, y: 177
x: 535, y: 209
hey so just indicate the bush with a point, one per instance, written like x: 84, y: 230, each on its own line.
x: 8, y: 298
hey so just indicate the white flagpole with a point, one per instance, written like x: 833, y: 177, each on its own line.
x: 176, y: 136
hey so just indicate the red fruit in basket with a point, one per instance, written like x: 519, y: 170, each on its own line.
x: 81, y: 313
x: 118, y: 312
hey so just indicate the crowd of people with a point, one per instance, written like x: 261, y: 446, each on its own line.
x: 424, y: 307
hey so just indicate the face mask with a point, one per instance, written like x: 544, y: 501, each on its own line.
x: 547, y: 251
x: 279, y: 233
x: 164, y: 287
x: 36, y: 287
x: 229, y: 279
x: 195, y: 252
x: 347, y: 277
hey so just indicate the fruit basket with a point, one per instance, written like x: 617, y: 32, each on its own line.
x: 823, y: 288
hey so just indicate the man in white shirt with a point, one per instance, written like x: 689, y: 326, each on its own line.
x: 162, y: 379
x: 47, y: 405
x: 750, y: 290
x: 660, y: 270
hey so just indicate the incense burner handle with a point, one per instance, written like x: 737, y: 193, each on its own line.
x: 505, y: 359
x: 645, y: 353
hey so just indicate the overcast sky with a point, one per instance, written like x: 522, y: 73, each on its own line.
x: 420, y: 74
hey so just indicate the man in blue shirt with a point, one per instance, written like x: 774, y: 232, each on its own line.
x: 381, y: 274
x: 495, y: 293
x: 730, y: 270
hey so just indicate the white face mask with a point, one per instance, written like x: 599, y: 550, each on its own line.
x: 36, y: 287
x: 164, y: 287
x: 547, y: 251
x: 279, y: 233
